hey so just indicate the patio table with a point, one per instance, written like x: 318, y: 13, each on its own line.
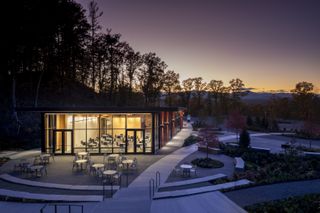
x: 98, y: 166
x: 109, y: 173
x: 186, y: 169
x: 45, y: 158
x: 127, y: 162
x: 83, y: 154
x: 81, y: 162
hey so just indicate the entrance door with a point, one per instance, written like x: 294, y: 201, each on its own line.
x: 63, y: 143
x: 135, y: 142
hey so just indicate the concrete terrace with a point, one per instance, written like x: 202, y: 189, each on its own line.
x: 135, y: 198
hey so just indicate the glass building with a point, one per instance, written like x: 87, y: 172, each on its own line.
x: 109, y: 130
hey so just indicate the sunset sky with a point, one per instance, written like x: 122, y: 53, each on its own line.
x: 270, y: 45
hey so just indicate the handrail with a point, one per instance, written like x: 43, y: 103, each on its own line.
x: 59, y: 205
x: 151, y: 188
x: 157, y: 179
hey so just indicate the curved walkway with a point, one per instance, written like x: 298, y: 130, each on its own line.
x: 258, y: 194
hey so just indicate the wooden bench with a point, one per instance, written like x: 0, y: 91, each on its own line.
x: 312, y: 154
x: 239, y: 164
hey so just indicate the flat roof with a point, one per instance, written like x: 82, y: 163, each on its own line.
x: 98, y: 109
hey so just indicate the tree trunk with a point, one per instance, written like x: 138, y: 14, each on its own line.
x: 14, y: 105
x: 38, y: 89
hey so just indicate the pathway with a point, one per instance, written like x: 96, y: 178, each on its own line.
x: 135, y: 198
x: 258, y: 194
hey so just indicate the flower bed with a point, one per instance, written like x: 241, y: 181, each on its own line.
x: 207, y: 163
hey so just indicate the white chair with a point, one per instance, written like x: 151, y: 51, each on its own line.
x: 177, y: 171
x: 74, y: 163
x: 194, y: 170
x: 92, y: 170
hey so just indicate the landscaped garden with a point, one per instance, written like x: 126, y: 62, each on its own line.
x: 266, y: 168
x: 303, y: 204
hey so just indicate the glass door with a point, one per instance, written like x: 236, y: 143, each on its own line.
x: 135, y: 142
x: 63, y: 142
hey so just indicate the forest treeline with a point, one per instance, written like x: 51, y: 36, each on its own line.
x: 57, y: 54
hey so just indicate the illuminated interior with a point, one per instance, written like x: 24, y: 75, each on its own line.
x: 98, y: 133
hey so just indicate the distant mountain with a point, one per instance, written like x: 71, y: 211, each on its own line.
x: 257, y: 97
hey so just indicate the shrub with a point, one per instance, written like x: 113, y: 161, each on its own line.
x: 306, y: 204
x: 198, y: 124
x: 244, y: 141
x: 191, y: 140
x: 207, y: 163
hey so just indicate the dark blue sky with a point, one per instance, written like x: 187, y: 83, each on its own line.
x: 269, y: 44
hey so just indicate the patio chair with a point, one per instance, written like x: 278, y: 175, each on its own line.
x: 43, y: 171
x: 38, y: 161
x: 177, y: 171
x: 19, y: 165
x: 194, y: 170
x: 117, y: 178
x: 134, y: 165
x: 100, y: 175
x: 91, y: 168
x: 45, y: 160
x: 74, y: 163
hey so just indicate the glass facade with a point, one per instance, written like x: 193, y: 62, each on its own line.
x: 98, y: 133
x: 68, y: 133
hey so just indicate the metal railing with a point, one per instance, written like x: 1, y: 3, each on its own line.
x: 154, y: 184
x: 151, y: 188
x: 157, y: 179
x: 56, y: 207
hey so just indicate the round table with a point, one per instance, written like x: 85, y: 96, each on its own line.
x: 98, y: 166
x: 45, y: 155
x: 82, y: 154
x: 127, y: 162
x: 81, y: 162
x: 186, y: 169
x: 109, y: 174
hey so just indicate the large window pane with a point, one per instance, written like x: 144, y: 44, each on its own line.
x: 80, y: 121
x: 148, y: 140
x: 93, y: 141
x: 64, y: 121
x: 119, y: 140
x: 79, y: 140
x: 119, y: 121
x: 93, y: 121
x: 134, y: 121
